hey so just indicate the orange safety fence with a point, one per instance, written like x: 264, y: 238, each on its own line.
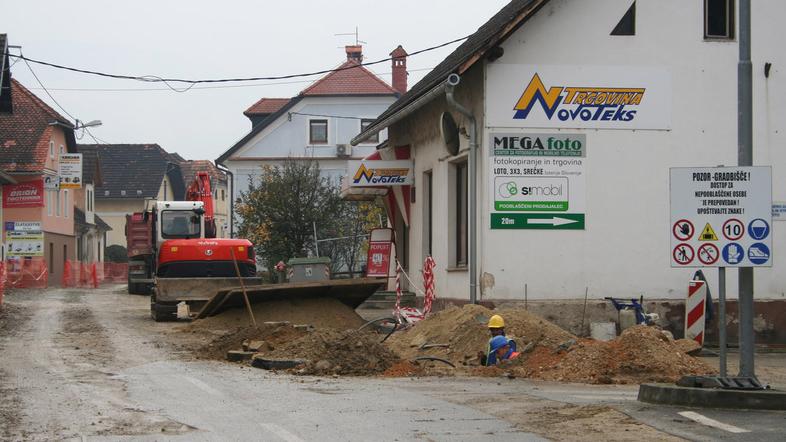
x: 28, y: 273
x: 92, y: 274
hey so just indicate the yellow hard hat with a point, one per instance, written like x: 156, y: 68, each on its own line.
x: 496, y: 321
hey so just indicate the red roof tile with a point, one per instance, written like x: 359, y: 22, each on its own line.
x: 189, y: 168
x: 266, y: 106
x: 25, y: 133
x: 349, y: 79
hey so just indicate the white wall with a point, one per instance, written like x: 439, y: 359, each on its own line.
x: 624, y: 250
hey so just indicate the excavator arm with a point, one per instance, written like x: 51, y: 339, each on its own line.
x: 199, y: 190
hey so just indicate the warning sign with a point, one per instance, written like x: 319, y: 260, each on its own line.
x: 736, y: 200
x: 708, y: 234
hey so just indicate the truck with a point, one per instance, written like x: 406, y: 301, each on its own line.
x: 174, y: 255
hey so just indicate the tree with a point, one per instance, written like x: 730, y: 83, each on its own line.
x: 284, y: 203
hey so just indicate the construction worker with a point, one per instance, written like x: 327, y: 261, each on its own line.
x: 502, y: 350
x: 496, y: 326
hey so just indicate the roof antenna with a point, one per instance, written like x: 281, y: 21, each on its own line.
x: 356, y: 34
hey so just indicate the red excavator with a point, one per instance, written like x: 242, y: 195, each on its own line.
x: 174, y: 255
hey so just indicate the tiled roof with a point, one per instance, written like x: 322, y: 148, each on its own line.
x: 349, y: 79
x: 131, y: 170
x: 91, y: 170
x: 25, y: 133
x: 190, y: 168
x: 266, y: 106
x: 81, y: 224
x: 490, y: 34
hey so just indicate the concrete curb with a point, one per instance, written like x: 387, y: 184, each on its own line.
x: 670, y: 394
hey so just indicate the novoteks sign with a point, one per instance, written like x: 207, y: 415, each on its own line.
x: 577, y: 97
x: 537, y: 180
x: 375, y: 173
x: 27, y: 194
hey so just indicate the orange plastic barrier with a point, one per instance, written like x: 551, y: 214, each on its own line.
x: 25, y: 273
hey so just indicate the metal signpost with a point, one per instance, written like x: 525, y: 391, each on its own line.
x: 721, y: 217
x: 537, y: 180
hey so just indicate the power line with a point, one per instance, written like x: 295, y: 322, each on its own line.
x: 328, y: 116
x: 157, y: 79
x: 45, y: 90
x: 228, y: 86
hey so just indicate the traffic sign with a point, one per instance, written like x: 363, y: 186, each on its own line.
x: 734, y: 207
x: 683, y: 230
x: 683, y: 254
x: 708, y: 253
x: 733, y: 229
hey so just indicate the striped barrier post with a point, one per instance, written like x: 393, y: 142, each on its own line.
x: 695, y: 309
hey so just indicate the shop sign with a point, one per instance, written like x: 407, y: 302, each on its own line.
x: 22, y: 195
x: 376, y: 173
x: 24, y: 243
x: 70, y: 171
x: 537, y: 180
x: 531, y: 96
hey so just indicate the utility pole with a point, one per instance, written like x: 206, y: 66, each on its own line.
x: 745, y: 158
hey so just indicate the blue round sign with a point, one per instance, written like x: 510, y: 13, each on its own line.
x: 758, y: 229
x: 733, y: 253
x: 758, y: 253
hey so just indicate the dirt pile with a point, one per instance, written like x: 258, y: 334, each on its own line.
x: 319, y: 312
x: 274, y: 335
x: 464, y: 331
x: 640, y: 354
x: 347, y: 352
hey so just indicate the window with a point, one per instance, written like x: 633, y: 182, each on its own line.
x: 317, y: 132
x: 52, y: 149
x: 364, y: 124
x: 62, y: 149
x: 65, y: 203
x: 57, y: 203
x: 49, y: 202
x: 51, y: 257
x: 223, y: 195
x: 719, y: 19
x: 461, y: 215
x: 428, y: 212
x: 627, y: 24
x: 179, y: 224
x: 65, y: 255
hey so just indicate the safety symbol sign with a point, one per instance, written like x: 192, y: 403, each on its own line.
x: 683, y: 254
x: 731, y: 210
x: 758, y: 229
x: 708, y: 253
x: 758, y: 253
x: 733, y: 229
x: 732, y: 253
x: 708, y: 234
x: 683, y: 230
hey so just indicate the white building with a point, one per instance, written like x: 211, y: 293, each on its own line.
x: 317, y: 123
x: 681, y: 56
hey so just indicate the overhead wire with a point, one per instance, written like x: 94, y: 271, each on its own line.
x: 166, y: 81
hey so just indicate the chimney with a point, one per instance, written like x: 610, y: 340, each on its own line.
x: 355, y: 53
x: 399, y: 61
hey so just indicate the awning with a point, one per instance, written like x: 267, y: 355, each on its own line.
x: 395, y: 198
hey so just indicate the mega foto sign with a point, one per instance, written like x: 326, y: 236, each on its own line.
x: 721, y: 217
x: 577, y: 97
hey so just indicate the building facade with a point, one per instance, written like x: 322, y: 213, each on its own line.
x: 514, y: 74
x: 318, y: 123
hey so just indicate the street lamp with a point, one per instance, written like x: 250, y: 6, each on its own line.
x: 93, y: 123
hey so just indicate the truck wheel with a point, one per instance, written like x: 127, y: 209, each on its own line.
x: 133, y: 288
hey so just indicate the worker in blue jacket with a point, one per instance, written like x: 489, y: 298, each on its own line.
x: 501, y: 350
x: 496, y: 326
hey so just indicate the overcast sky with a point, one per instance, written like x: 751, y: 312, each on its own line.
x: 212, y: 39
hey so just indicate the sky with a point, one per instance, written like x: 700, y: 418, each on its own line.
x: 201, y: 39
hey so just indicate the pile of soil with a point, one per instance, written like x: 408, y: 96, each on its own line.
x: 464, y: 331
x: 640, y: 354
x: 274, y: 335
x: 348, y: 352
x: 403, y: 369
x: 319, y: 312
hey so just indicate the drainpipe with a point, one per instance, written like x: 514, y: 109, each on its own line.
x: 231, y: 180
x: 453, y: 81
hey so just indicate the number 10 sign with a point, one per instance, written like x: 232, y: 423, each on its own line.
x: 721, y: 217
